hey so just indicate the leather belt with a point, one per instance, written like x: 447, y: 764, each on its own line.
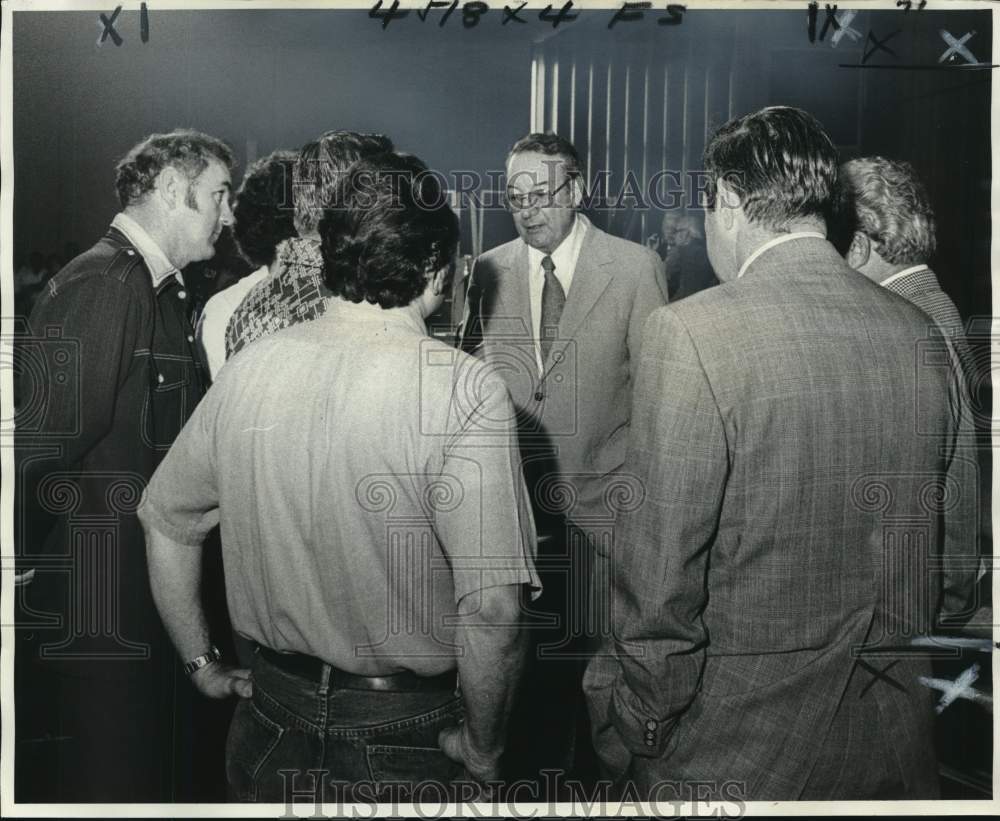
x: 310, y: 667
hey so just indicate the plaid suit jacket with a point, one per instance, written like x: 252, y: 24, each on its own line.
x: 792, y: 448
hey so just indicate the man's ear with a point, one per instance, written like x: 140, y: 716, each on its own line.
x: 576, y: 186
x: 439, y: 279
x: 860, y: 251
x: 727, y: 203
x: 171, y: 186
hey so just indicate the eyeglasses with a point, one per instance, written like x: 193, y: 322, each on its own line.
x: 534, y: 199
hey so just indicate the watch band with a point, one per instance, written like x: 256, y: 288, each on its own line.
x: 203, y: 660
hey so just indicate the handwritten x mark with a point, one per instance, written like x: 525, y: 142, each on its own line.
x: 878, y: 45
x: 880, y: 675
x: 961, y: 687
x: 844, y: 19
x: 957, y: 47
x: 109, y: 28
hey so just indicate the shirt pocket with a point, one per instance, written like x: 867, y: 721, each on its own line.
x: 166, y: 405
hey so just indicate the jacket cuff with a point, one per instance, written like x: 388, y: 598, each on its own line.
x: 643, y: 733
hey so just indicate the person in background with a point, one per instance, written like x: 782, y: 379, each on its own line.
x: 885, y: 211
x: 681, y: 244
x: 123, y: 378
x: 892, y: 239
x: 376, y: 531
x: 294, y: 290
x: 768, y: 590
x: 264, y: 218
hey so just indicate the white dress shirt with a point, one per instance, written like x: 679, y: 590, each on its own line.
x: 772, y: 243
x: 564, y: 258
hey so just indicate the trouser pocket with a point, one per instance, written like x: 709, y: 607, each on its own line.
x: 401, y: 774
x: 252, y: 742
x: 404, y: 761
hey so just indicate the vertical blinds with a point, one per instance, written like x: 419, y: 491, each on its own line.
x: 633, y: 113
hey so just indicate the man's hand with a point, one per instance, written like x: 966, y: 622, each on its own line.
x: 456, y: 743
x: 217, y: 680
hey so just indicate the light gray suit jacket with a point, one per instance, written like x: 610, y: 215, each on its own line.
x: 793, y: 449
x: 579, y: 406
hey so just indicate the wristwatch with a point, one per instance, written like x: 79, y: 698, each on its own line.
x: 203, y: 660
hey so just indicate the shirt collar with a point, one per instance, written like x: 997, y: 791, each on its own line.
x: 160, y: 268
x: 904, y: 273
x: 773, y: 243
x: 564, y: 257
x: 366, y: 313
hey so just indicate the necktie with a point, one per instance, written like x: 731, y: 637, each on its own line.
x: 553, y: 300
x: 472, y: 334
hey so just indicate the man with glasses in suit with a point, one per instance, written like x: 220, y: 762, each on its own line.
x: 560, y: 310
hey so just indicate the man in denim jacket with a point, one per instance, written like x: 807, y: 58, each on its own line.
x: 109, y: 376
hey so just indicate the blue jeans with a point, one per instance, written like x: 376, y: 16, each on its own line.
x: 301, y: 740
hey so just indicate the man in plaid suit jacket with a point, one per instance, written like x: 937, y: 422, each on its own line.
x: 794, y: 455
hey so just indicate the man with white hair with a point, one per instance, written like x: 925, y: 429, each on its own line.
x: 894, y: 236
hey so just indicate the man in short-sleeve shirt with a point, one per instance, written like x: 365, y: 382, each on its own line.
x: 376, y: 534
x: 335, y: 441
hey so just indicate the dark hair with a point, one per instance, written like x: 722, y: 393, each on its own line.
x: 184, y: 149
x: 551, y: 145
x: 320, y: 166
x: 886, y: 201
x: 263, y: 213
x: 390, y: 227
x: 779, y: 161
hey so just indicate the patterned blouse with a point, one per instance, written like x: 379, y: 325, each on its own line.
x: 295, y: 292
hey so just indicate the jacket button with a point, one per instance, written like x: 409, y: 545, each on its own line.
x: 539, y: 396
x: 130, y: 252
x: 650, y: 742
x: 182, y: 294
x: 190, y: 338
x: 651, y: 724
x: 159, y: 378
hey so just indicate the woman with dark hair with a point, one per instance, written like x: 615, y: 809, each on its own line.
x: 294, y: 291
x: 264, y: 218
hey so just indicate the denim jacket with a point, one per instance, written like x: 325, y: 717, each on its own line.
x: 109, y: 376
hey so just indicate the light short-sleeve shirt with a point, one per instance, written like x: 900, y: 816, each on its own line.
x: 366, y: 478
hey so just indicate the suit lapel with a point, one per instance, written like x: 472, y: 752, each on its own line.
x: 590, y: 279
x: 517, y: 298
x: 505, y: 307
